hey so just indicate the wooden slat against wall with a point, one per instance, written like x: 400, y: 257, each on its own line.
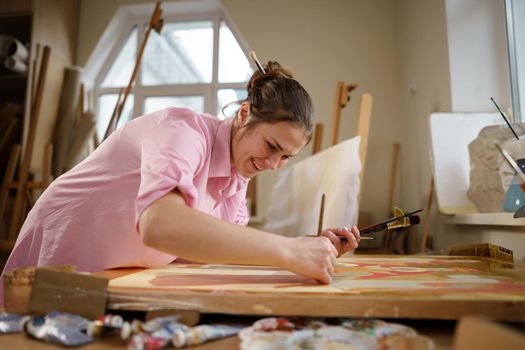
x: 363, y: 129
x: 341, y: 98
x: 318, y: 138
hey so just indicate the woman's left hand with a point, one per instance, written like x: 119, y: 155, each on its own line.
x: 352, y: 238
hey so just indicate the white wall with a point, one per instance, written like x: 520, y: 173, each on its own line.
x: 477, y: 55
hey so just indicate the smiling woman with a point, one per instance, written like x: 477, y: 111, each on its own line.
x: 173, y: 183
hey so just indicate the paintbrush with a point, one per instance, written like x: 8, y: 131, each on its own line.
x: 506, y: 121
x: 409, y: 220
x: 389, y: 224
x: 321, y: 215
x: 257, y: 63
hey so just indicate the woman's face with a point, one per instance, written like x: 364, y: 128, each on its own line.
x: 265, y: 146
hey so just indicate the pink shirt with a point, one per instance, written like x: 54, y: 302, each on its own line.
x: 88, y: 216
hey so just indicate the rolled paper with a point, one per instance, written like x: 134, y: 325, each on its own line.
x: 11, y: 47
x: 15, y: 65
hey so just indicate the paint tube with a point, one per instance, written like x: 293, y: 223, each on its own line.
x: 157, y: 339
x: 12, y: 323
x: 203, y: 333
x: 59, y: 328
x: 159, y: 322
x: 105, y: 325
x: 144, y: 341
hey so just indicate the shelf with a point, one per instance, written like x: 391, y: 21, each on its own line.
x: 488, y: 219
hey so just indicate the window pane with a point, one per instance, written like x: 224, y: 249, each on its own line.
x: 106, y: 105
x: 183, y: 54
x: 233, y: 64
x: 120, y: 72
x: 225, y: 96
x: 195, y: 103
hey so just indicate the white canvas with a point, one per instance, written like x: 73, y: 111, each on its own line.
x: 296, y: 196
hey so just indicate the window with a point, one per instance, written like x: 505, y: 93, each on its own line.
x: 195, y: 62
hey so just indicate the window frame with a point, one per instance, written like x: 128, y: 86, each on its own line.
x: 208, y: 90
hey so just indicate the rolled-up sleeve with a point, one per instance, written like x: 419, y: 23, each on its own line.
x: 170, y: 159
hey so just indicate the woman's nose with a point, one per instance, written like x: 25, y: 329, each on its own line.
x: 272, y: 162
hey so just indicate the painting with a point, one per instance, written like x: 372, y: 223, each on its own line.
x: 388, y: 281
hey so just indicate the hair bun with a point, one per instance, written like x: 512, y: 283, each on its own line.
x: 273, y: 71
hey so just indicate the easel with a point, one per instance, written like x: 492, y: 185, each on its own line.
x: 23, y: 186
x: 156, y: 22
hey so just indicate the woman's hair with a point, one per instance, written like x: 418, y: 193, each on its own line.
x: 276, y: 97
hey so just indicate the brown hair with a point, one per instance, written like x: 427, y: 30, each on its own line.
x: 276, y: 97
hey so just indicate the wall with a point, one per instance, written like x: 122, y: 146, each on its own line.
x: 477, y: 55
x: 424, y: 87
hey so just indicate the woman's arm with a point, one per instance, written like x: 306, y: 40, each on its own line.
x: 169, y: 225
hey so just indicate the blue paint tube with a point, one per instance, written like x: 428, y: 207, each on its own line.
x: 59, y: 328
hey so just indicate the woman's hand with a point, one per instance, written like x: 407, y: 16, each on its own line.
x: 352, y: 238
x: 313, y: 257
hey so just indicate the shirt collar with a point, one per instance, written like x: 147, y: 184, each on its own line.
x: 220, y: 163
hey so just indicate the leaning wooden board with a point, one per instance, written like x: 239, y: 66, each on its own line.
x: 427, y: 287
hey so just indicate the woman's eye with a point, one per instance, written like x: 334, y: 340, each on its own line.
x: 271, y: 147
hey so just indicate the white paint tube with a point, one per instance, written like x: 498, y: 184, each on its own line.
x: 203, y: 333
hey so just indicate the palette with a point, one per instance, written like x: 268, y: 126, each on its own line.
x: 443, y: 287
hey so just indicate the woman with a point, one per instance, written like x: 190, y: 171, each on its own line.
x: 173, y: 183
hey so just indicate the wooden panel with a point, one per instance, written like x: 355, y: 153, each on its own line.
x: 438, y: 287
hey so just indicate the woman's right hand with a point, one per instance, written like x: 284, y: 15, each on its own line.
x: 314, y: 257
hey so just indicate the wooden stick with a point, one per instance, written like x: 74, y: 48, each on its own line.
x: 342, y: 96
x: 154, y: 24
x: 363, y: 128
x: 112, y: 125
x: 28, y: 151
x: 393, y: 176
x: 318, y: 138
x: 321, y: 215
x: 428, y: 209
x: 8, y: 177
x: 46, y: 166
x: 336, y: 112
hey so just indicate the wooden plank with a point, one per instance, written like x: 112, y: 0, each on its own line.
x: 336, y: 112
x: 428, y: 287
x: 363, y: 129
x: 318, y: 138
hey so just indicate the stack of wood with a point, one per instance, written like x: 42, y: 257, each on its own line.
x: 21, y: 184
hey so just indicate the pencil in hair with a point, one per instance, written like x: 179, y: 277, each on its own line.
x: 253, y: 56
